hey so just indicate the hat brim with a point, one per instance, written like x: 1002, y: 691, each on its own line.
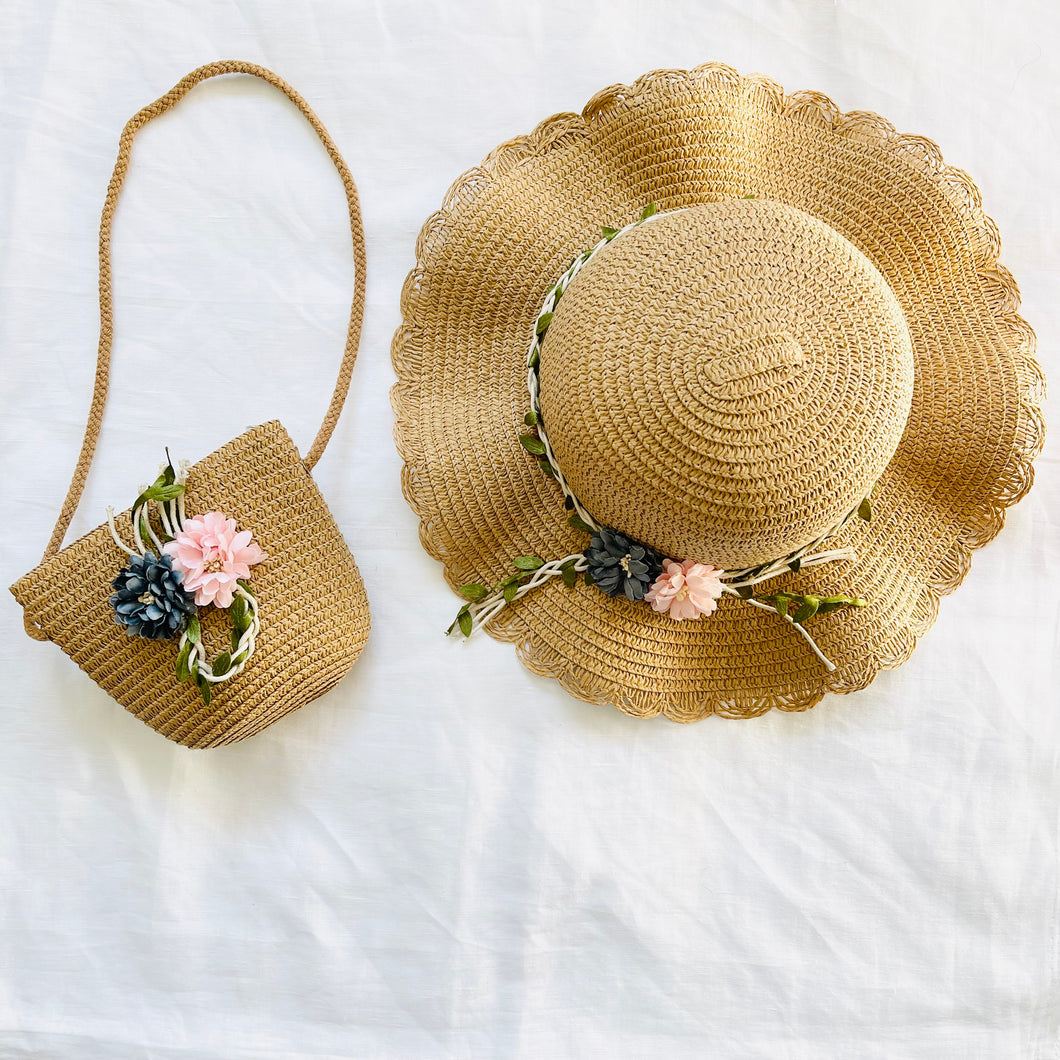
x: 506, y: 231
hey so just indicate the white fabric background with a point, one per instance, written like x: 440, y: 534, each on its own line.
x: 447, y: 856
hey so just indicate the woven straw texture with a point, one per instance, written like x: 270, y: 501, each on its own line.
x: 314, y: 610
x: 508, y: 229
x: 727, y: 382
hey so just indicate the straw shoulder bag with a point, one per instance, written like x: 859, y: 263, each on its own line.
x: 225, y: 597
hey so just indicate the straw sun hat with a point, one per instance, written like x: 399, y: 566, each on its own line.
x: 707, y: 394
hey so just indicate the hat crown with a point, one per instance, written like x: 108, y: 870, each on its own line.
x: 726, y: 382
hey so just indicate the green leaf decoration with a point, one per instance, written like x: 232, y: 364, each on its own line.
x: 528, y: 562
x: 543, y: 322
x: 194, y: 630
x: 781, y: 604
x: 474, y: 591
x: 648, y: 211
x: 464, y: 621
x: 535, y: 358
x: 222, y: 664
x: 865, y: 510
x: 531, y: 419
x: 182, y: 668
x: 138, y: 503
x: 570, y: 575
x: 744, y: 592
x: 238, y: 614
x: 532, y: 444
x: 509, y: 591
x: 807, y: 609
x: 588, y: 578
x: 157, y: 492
x: 150, y: 494
x: 609, y: 233
x: 235, y: 639
x: 580, y: 524
x: 834, y: 603
x: 205, y: 689
x: 546, y: 467
x: 169, y: 472
x: 795, y: 565
x: 750, y: 195
x: 245, y: 586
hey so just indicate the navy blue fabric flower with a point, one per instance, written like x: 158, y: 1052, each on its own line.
x: 621, y: 566
x: 149, y: 599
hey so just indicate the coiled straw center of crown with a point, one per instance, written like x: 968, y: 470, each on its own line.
x: 727, y: 382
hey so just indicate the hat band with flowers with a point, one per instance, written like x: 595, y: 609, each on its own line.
x: 618, y: 565
x: 715, y: 394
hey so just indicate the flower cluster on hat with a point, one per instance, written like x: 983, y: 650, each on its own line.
x: 213, y: 555
x: 617, y: 564
x: 686, y: 590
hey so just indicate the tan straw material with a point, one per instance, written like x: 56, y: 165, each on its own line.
x: 720, y: 383
x: 727, y: 382
x: 314, y: 610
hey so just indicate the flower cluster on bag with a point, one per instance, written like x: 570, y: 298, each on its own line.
x: 179, y: 564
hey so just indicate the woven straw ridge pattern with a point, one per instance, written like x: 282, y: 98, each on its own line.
x: 726, y: 383
x: 313, y: 603
x: 509, y: 227
x: 314, y: 608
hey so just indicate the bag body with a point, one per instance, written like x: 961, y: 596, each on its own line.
x: 314, y: 608
x: 311, y: 609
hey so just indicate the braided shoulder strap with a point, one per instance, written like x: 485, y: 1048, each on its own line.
x: 106, y: 308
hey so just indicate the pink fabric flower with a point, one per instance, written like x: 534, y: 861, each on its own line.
x: 213, y: 555
x: 685, y: 590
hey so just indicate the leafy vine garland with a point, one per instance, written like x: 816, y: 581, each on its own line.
x: 177, y: 565
x: 618, y: 565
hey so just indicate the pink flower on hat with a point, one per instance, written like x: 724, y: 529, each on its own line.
x: 213, y: 555
x: 685, y: 590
